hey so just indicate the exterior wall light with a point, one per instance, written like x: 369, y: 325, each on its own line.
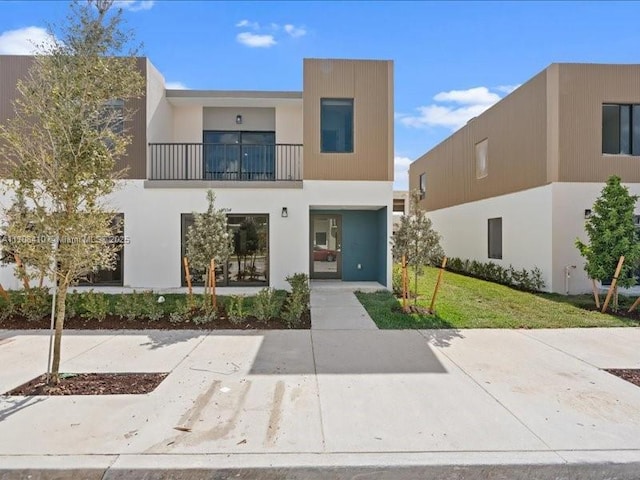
x: 285, y: 212
x: 239, y: 119
x: 587, y: 213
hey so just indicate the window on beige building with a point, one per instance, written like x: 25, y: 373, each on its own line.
x: 621, y: 129
x: 422, y: 183
x: 482, y: 159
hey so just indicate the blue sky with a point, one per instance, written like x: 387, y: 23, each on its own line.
x: 452, y: 59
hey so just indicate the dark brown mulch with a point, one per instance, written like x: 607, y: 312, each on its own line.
x: 629, y: 374
x: 114, y: 322
x: 93, y: 384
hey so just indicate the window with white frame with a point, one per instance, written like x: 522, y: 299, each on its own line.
x: 482, y: 159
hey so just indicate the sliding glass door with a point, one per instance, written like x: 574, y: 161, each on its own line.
x: 239, y: 155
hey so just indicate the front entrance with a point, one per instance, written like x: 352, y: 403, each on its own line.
x: 326, y: 246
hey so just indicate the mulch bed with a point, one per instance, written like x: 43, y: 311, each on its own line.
x: 93, y: 384
x: 115, y: 322
x: 629, y: 374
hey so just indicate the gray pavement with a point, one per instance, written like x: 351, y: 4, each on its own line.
x: 297, y: 404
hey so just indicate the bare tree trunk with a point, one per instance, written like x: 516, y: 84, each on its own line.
x: 415, y: 286
x: 57, y: 340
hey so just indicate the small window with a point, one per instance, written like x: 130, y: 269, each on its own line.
x: 621, y: 129
x: 398, y: 205
x: 482, y: 166
x: 422, y: 185
x: 336, y: 125
x: 495, y: 238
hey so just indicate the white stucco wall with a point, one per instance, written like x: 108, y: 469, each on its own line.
x: 159, y: 110
x: 187, y: 124
x: 569, y: 203
x: 289, y: 124
x: 526, y: 229
x: 253, y: 118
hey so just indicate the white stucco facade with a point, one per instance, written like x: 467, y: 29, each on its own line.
x: 152, y: 224
x: 539, y: 229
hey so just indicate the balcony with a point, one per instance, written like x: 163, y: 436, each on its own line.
x: 225, y: 162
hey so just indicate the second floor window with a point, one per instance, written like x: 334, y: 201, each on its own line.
x: 621, y: 129
x: 336, y: 125
x: 482, y: 159
x: 422, y: 185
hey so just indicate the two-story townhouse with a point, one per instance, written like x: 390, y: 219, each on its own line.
x: 306, y: 176
x: 515, y: 184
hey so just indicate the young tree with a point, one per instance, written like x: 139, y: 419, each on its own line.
x: 62, y: 145
x: 417, y: 241
x: 612, y: 233
x: 209, y: 239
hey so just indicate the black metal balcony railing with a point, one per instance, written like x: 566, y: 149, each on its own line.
x: 214, y: 161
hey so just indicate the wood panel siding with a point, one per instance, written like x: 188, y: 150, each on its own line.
x: 15, y: 67
x: 370, y: 84
x: 516, y: 129
x: 583, y: 89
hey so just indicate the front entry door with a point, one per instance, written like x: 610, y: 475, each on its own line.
x: 326, y: 246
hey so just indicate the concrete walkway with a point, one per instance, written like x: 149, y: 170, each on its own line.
x: 331, y: 404
x: 334, y: 306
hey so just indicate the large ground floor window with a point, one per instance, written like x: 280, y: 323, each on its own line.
x: 111, y: 277
x: 249, y: 264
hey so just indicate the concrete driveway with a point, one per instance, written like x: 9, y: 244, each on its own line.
x: 354, y: 398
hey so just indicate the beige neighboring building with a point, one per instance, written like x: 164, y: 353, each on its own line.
x: 515, y: 184
x: 306, y: 176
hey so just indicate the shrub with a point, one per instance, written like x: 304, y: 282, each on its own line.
x: 95, y: 305
x: 204, y: 311
x: 150, y: 307
x: 36, y: 303
x: 523, y: 279
x: 235, y: 309
x: 266, y: 305
x: 131, y: 306
x: 8, y: 307
x: 73, y: 305
x: 181, y: 312
x: 298, y: 300
x: 300, y: 286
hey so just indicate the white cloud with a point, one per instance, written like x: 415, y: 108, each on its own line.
x: 294, y: 31
x: 256, y: 41
x: 134, y: 5
x: 175, y: 86
x: 24, y: 41
x: 507, y: 88
x: 453, y: 109
x: 472, y: 96
x: 248, y: 24
x: 401, y: 172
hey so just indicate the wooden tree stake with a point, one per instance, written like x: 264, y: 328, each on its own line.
x: 596, y: 295
x: 25, y: 280
x: 4, y: 293
x: 187, y: 275
x: 435, y: 292
x: 212, y: 272
x: 613, y: 284
x: 634, y: 306
x: 404, y: 283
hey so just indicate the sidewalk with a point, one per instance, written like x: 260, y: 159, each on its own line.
x: 290, y: 404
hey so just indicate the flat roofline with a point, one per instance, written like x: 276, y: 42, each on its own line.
x: 232, y: 94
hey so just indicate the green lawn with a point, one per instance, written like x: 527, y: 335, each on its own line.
x: 465, y: 302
